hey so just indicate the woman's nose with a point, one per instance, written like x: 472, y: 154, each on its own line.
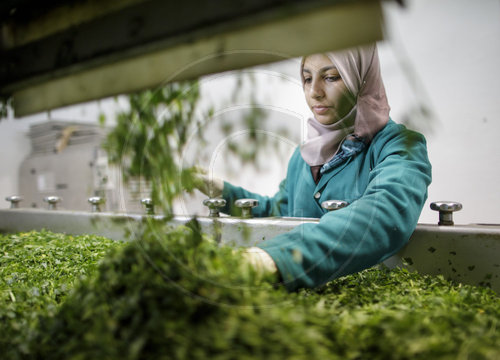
x: 316, y: 90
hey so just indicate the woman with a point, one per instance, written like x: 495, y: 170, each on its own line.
x: 356, y: 153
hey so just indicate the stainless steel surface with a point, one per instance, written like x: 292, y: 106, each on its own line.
x: 52, y: 201
x: 246, y: 206
x: 446, y: 209
x: 14, y: 201
x: 148, y: 205
x: 332, y: 205
x: 227, y: 230
x: 96, y: 202
x: 214, y: 205
x: 468, y: 254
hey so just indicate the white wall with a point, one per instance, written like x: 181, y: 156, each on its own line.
x: 453, y: 48
x: 441, y: 54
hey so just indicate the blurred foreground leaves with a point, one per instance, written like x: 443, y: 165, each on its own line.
x: 149, y: 138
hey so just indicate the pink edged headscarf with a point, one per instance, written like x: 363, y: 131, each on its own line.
x: 359, y: 68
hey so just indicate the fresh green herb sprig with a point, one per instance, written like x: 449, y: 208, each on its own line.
x: 149, y: 138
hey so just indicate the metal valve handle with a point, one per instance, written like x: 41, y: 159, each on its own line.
x: 446, y: 209
x: 246, y: 206
x: 14, y: 201
x: 149, y: 205
x: 52, y: 201
x: 96, y: 202
x: 214, y: 205
x: 332, y: 205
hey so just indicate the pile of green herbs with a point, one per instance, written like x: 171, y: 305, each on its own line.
x: 176, y: 294
x: 37, y: 272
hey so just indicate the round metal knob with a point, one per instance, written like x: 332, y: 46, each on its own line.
x: 96, y: 202
x: 332, y: 205
x: 446, y: 209
x: 149, y: 205
x: 14, y: 201
x: 52, y: 201
x: 214, y: 205
x: 246, y: 206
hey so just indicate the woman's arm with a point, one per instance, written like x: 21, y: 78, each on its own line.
x: 370, y: 229
x: 268, y: 206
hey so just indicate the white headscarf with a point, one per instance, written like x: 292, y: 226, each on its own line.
x: 359, y: 68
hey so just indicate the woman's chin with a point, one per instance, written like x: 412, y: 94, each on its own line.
x: 325, y: 119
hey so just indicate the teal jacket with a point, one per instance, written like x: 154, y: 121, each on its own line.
x: 385, y: 186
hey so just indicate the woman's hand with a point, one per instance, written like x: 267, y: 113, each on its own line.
x: 260, y: 260
x: 208, y: 185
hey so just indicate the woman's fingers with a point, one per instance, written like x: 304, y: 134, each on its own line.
x: 208, y: 185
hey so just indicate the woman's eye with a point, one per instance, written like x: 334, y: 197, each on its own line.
x: 332, y: 78
x: 307, y: 80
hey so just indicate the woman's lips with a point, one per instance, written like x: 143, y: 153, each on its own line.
x: 320, y: 110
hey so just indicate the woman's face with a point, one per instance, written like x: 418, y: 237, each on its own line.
x: 325, y: 91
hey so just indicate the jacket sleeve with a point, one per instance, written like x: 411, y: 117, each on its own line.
x: 367, y: 231
x: 268, y: 206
